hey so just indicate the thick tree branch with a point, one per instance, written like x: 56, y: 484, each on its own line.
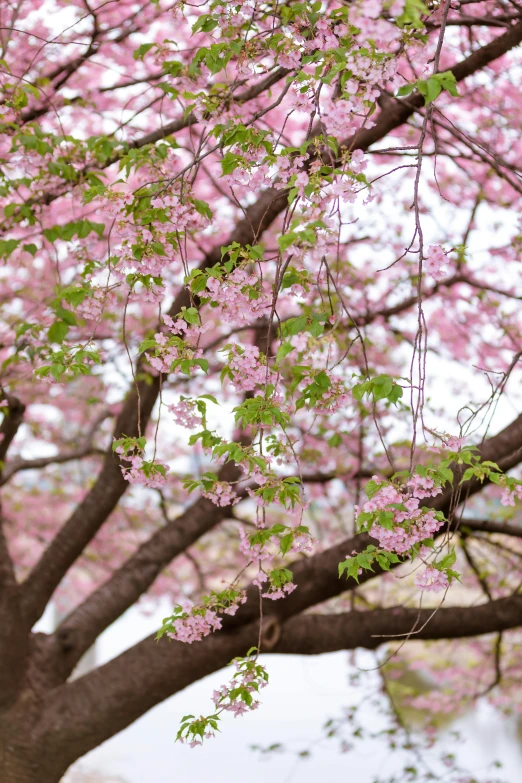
x: 314, y: 634
x: 80, y: 629
x: 89, y: 710
x: 489, y: 526
x: 18, y: 465
x: 90, y: 514
x: 317, y: 577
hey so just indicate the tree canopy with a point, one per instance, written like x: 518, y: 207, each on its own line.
x: 259, y: 342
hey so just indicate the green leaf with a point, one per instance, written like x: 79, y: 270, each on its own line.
x: 206, y: 23
x: 351, y: 567
x: 447, y: 561
x: 203, y: 363
x: 406, y: 89
x: 57, y: 370
x: 203, y: 208
x: 191, y: 315
x: 411, y: 15
x: 142, y: 50
x: 58, y: 332
x: 208, y: 397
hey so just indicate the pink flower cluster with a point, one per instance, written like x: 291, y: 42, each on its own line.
x: 423, y: 487
x: 168, y: 350
x: 93, y: 306
x: 147, y: 474
x: 453, y: 443
x: 247, y: 369
x: 184, y: 413
x: 434, y: 262
x: 300, y: 543
x: 253, y: 551
x: 232, y: 294
x: 335, y: 397
x: 167, y: 354
x: 401, y: 539
x: 274, y: 593
x: 221, y: 494
x: 253, y: 173
x: 282, y: 592
x: 247, y: 682
x: 193, y: 627
x: 197, y: 622
x: 288, y: 166
x: 432, y: 580
x: 510, y: 496
x: 409, y: 526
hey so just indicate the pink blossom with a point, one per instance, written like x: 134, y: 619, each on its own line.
x: 432, y: 580
x: 510, y: 496
x: 185, y: 414
x: 193, y: 627
x: 234, y: 296
x: 434, y: 261
x: 221, y: 494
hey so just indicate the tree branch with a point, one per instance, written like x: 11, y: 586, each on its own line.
x: 18, y: 465
x: 82, y: 626
x: 488, y: 526
x: 93, y: 708
x: 314, y: 634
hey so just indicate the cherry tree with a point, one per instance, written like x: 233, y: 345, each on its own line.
x: 260, y: 322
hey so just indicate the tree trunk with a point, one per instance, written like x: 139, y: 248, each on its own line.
x: 19, y: 765
x: 22, y: 759
x: 16, y: 771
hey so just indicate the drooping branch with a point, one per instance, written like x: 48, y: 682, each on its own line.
x: 101, y: 500
x: 110, y: 486
x: 316, y: 577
